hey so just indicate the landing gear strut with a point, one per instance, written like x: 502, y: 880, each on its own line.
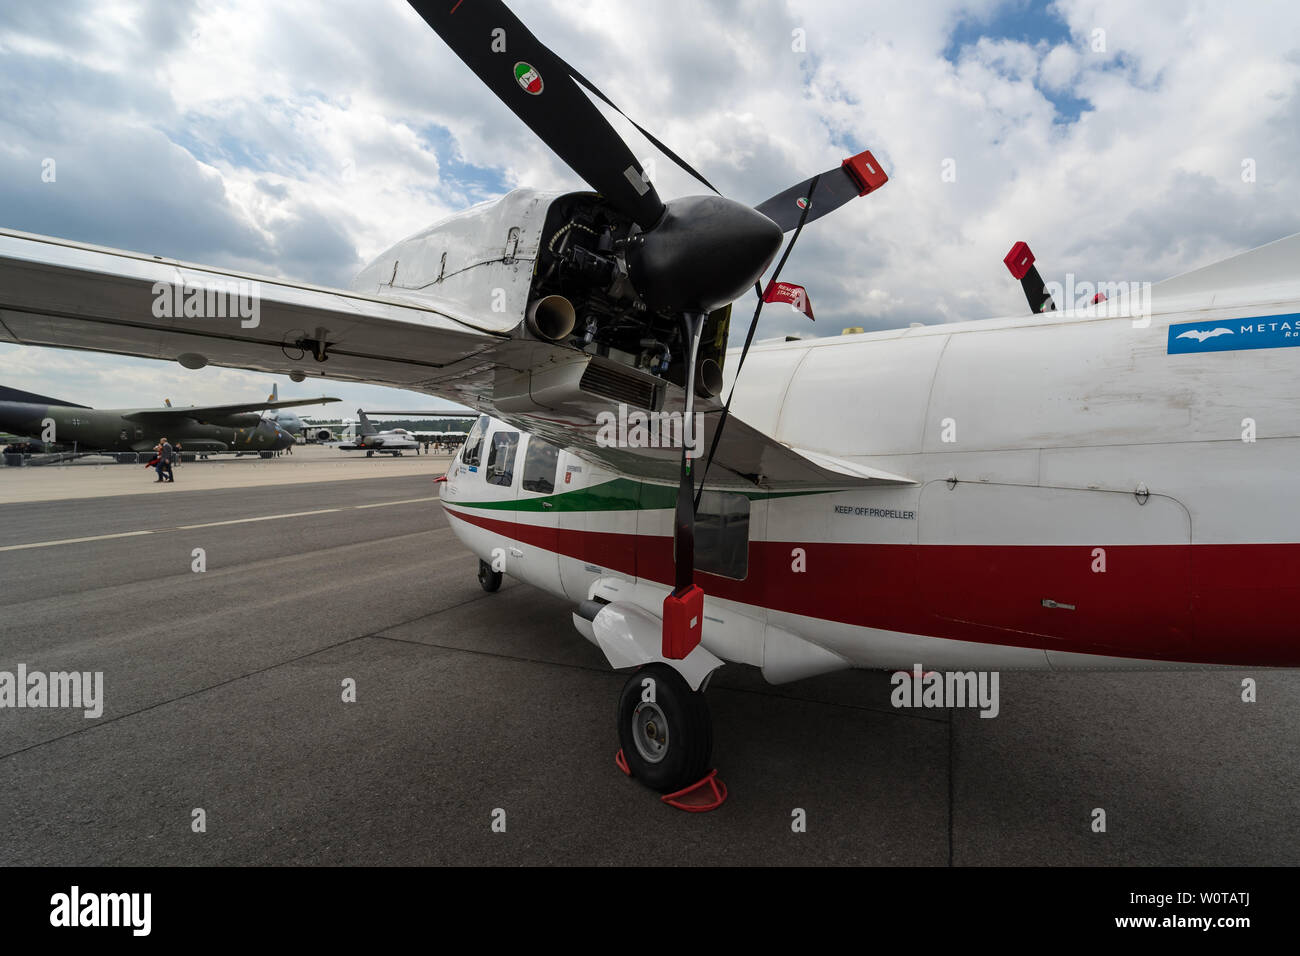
x: 488, y: 579
x: 664, y: 729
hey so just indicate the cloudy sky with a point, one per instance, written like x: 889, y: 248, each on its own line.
x: 300, y: 138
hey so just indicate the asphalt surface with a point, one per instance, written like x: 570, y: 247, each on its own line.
x: 223, y: 692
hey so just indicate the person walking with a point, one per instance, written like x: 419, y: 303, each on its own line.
x: 165, y: 466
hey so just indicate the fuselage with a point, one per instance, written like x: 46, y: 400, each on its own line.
x: 90, y: 429
x: 1087, y: 491
x: 394, y: 441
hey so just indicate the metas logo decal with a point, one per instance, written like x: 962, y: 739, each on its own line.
x: 528, y: 78
x: 1231, y: 335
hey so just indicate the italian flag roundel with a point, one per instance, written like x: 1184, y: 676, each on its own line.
x: 528, y: 78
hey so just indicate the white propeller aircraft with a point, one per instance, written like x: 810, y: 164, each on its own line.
x: 1089, y: 487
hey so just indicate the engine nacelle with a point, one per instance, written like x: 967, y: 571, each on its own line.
x: 553, y: 267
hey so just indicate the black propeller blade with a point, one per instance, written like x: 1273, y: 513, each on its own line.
x: 539, y: 87
x: 856, y: 176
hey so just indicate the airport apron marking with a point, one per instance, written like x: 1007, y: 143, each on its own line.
x: 210, y: 524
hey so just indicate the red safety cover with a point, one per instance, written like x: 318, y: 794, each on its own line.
x: 1019, y: 259
x: 683, y: 622
x: 866, y: 172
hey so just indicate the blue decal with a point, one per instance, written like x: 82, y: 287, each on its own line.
x: 1230, y: 335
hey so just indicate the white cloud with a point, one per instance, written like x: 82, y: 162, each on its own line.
x: 293, y: 138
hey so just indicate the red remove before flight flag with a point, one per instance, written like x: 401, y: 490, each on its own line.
x: 796, y: 296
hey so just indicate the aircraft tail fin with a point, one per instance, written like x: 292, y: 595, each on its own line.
x: 366, y: 426
x: 1267, y: 266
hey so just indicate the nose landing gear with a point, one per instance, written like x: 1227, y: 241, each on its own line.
x: 488, y: 579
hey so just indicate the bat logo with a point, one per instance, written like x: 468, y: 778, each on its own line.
x: 1201, y: 336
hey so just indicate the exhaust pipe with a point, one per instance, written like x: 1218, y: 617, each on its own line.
x: 552, y: 318
x: 708, y: 378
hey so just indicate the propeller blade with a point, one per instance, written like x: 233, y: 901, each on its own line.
x: 540, y: 88
x: 856, y: 176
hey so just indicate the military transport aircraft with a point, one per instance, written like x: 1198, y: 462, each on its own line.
x: 288, y: 421
x: 207, y: 428
x: 1078, y: 488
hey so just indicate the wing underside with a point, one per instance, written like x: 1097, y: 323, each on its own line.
x: 68, y: 295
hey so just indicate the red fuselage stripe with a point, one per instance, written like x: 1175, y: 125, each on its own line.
x: 1204, y: 603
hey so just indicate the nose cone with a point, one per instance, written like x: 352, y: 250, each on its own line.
x: 704, y: 252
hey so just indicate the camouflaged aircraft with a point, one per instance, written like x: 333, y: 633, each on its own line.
x: 205, y: 428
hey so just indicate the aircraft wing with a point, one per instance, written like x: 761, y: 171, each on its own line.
x: 427, y: 413
x: 206, y: 412
x: 70, y: 295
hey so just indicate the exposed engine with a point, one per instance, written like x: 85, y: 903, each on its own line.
x: 583, y: 295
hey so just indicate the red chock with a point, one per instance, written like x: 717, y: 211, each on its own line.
x: 707, y: 793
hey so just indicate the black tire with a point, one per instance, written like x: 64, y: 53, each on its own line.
x: 370, y: 454
x: 488, y: 579
x: 684, y: 746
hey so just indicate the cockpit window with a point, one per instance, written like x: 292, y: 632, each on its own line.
x: 501, y: 460
x: 472, y: 450
x: 540, y: 462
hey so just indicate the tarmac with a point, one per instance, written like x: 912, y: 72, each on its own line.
x: 223, y: 692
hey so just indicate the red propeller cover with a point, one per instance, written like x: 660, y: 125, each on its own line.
x: 683, y: 622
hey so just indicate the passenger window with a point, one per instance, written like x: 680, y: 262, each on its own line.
x: 472, y: 450
x: 540, y: 462
x: 501, y: 460
x: 722, y: 534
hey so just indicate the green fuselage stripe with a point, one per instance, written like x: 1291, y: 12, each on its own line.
x: 619, y: 494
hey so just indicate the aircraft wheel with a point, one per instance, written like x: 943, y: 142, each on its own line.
x: 667, y: 740
x: 489, y: 580
x: 370, y: 454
